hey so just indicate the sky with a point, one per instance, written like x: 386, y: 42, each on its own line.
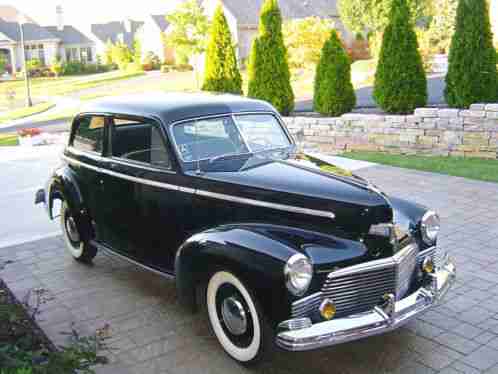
x: 82, y: 13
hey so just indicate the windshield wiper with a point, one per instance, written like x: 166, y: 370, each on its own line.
x: 227, y: 155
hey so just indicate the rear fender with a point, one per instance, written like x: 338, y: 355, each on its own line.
x: 63, y: 186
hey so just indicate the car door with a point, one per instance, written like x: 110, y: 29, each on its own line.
x: 84, y: 154
x: 146, y: 213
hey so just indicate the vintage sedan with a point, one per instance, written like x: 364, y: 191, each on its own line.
x: 280, y: 248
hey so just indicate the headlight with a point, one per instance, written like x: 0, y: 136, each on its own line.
x: 430, y: 227
x: 298, y: 273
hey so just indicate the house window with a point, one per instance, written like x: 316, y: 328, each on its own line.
x: 35, y: 52
x: 72, y: 54
x: 86, y: 54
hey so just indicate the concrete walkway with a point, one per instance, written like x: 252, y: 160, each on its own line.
x: 151, y: 333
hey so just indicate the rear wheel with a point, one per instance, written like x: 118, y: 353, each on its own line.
x: 78, y: 248
x: 237, y: 319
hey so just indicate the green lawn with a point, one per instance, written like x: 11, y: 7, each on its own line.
x: 8, y: 140
x: 473, y: 168
x: 25, y: 112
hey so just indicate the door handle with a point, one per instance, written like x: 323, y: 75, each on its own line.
x: 101, y: 182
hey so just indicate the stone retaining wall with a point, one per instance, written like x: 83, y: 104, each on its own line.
x: 431, y: 131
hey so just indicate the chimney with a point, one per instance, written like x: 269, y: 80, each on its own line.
x: 60, y: 18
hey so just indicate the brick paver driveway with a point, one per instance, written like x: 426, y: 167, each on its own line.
x: 151, y: 333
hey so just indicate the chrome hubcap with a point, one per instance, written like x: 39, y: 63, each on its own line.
x: 71, y: 230
x: 234, y: 316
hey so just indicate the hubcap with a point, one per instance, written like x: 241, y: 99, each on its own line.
x: 71, y: 229
x: 234, y: 316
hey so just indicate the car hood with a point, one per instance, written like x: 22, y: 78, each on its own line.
x: 306, y: 182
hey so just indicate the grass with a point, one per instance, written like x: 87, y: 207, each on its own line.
x: 25, y: 112
x: 8, y: 140
x: 61, y: 85
x: 472, y: 168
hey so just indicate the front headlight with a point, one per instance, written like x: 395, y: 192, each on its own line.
x: 430, y: 227
x: 298, y: 274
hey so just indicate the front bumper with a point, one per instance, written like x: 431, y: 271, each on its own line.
x: 374, y: 322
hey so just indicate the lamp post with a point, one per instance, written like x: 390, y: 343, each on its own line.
x: 29, y: 102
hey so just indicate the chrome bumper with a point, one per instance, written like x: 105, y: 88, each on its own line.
x: 374, y: 322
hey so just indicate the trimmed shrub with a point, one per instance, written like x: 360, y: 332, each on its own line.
x: 269, y: 76
x: 334, y: 92
x: 472, y: 76
x: 221, y: 73
x: 400, y: 81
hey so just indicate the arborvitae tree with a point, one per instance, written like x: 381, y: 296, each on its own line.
x: 269, y: 76
x: 472, y: 75
x: 334, y: 92
x: 221, y: 72
x: 400, y: 81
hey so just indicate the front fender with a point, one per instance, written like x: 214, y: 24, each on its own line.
x: 257, y: 253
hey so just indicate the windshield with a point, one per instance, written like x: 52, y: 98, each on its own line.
x: 221, y: 138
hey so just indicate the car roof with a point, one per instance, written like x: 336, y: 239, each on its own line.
x: 174, y: 107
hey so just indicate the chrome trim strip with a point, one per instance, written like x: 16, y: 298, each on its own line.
x: 373, y: 265
x: 120, y: 256
x: 304, y: 300
x: 235, y: 199
x: 264, y: 204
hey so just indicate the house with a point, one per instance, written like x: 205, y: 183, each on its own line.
x: 152, y: 37
x: 117, y: 31
x: 243, y: 17
x: 45, y: 44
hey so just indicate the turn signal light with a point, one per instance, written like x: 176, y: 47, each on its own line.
x: 328, y: 309
x: 428, y: 265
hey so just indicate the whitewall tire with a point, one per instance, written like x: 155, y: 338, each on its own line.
x: 236, y: 318
x: 78, y: 248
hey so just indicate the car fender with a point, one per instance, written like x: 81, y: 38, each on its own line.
x: 63, y: 186
x: 257, y: 253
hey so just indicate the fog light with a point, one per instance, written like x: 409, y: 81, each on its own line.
x: 328, y: 309
x: 428, y: 265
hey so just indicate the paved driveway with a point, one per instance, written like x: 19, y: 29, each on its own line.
x: 150, y: 333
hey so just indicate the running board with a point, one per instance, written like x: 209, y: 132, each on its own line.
x: 110, y: 252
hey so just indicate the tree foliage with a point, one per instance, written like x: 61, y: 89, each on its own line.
x: 189, y: 27
x: 121, y: 55
x: 400, y: 81
x: 373, y: 15
x: 304, y: 39
x: 334, y: 92
x: 269, y: 75
x: 221, y: 72
x: 472, y: 74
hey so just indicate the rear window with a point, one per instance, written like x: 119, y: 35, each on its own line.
x: 89, y: 134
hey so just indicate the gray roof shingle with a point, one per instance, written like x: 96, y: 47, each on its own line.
x: 69, y: 35
x: 32, y: 31
x: 160, y: 21
x: 112, y: 30
x: 247, y: 11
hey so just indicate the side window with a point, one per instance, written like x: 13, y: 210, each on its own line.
x: 139, y: 141
x: 89, y: 134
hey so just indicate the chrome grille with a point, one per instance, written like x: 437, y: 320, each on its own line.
x: 358, y: 292
x: 406, y: 265
x: 436, y: 254
x: 361, y: 287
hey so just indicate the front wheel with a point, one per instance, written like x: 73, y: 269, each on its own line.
x: 81, y: 250
x: 237, y: 319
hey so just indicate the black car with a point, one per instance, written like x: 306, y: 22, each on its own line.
x: 279, y: 247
